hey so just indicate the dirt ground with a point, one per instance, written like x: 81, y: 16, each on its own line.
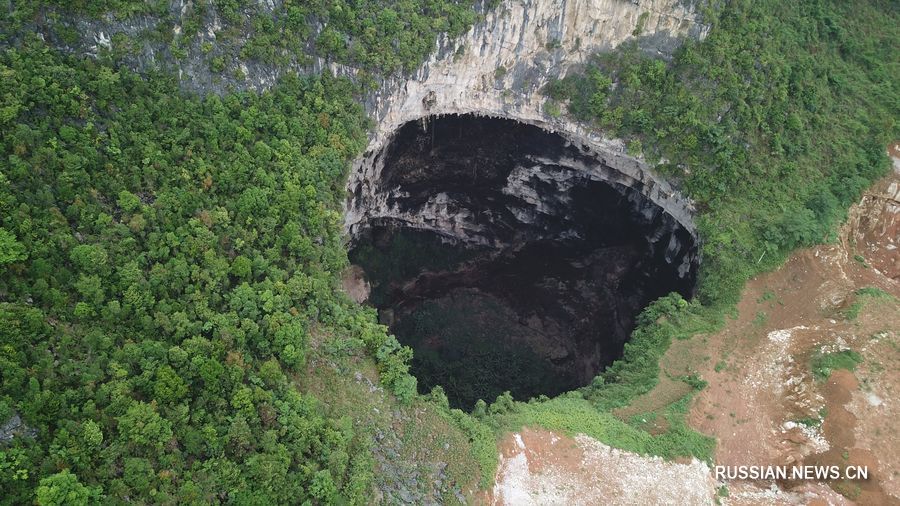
x: 763, y: 404
x: 540, y: 467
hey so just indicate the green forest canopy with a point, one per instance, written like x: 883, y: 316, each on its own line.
x: 774, y: 124
x: 382, y: 36
x: 168, y: 261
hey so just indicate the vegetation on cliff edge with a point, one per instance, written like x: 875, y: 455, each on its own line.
x: 169, y: 263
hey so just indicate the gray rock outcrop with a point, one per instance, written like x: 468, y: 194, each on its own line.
x: 498, y: 69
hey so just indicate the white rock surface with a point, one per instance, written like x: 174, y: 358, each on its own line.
x: 498, y: 69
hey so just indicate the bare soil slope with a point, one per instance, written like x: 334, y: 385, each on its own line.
x: 764, y: 403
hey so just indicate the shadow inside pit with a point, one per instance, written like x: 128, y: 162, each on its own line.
x: 530, y: 276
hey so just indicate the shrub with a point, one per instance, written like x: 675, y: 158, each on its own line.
x: 824, y: 363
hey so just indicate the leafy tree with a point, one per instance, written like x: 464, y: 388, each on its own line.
x: 62, y: 489
x: 10, y: 249
x: 142, y: 427
x: 169, y: 386
x: 89, y: 257
x: 128, y: 201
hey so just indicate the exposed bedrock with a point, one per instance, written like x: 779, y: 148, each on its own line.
x: 499, y: 67
x: 512, y: 248
x: 510, y: 258
x: 500, y: 184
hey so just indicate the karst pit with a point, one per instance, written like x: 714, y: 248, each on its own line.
x: 510, y: 257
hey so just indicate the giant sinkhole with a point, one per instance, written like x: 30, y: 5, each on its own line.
x: 509, y: 257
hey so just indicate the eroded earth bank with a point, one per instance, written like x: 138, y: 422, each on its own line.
x: 769, y: 401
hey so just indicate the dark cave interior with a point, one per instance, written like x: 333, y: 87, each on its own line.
x: 507, y: 267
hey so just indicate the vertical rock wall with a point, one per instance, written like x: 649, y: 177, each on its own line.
x: 498, y: 69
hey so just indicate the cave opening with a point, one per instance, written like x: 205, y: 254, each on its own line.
x: 508, y: 257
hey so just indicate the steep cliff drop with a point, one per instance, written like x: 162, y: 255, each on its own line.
x: 510, y: 258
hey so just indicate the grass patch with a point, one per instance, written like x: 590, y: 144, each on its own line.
x: 809, y: 421
x: 864, y: 296
x: 874, y: 292
x: 441, y: 434
x: 848, y: 489
x: 823, y: 364
x: 765, y: 297
x: 760, y: 319
x: 572, y: 414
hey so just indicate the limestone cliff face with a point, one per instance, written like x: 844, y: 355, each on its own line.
x: 498, y: 69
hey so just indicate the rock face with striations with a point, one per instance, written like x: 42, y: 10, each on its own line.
x: 498, y: 68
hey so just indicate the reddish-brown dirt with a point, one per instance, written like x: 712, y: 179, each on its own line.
x: 540, y: 467
x: 763, y: 404
x: 759, y: 366
x: 838, y: 428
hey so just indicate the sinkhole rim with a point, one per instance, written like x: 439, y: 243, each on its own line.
x: 577, y: 166
x: 611, y: 152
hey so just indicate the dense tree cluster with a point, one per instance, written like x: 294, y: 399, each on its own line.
x: 382, y: 36
x: 164, y: 262
x: 774, y: 124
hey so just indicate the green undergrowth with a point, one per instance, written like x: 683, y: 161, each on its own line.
x: 572, y: 414
x: 423, y: 430
x: 823, y: 364
x: 377, y: 36
x: 868, y: 295
x: 481, y: 437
